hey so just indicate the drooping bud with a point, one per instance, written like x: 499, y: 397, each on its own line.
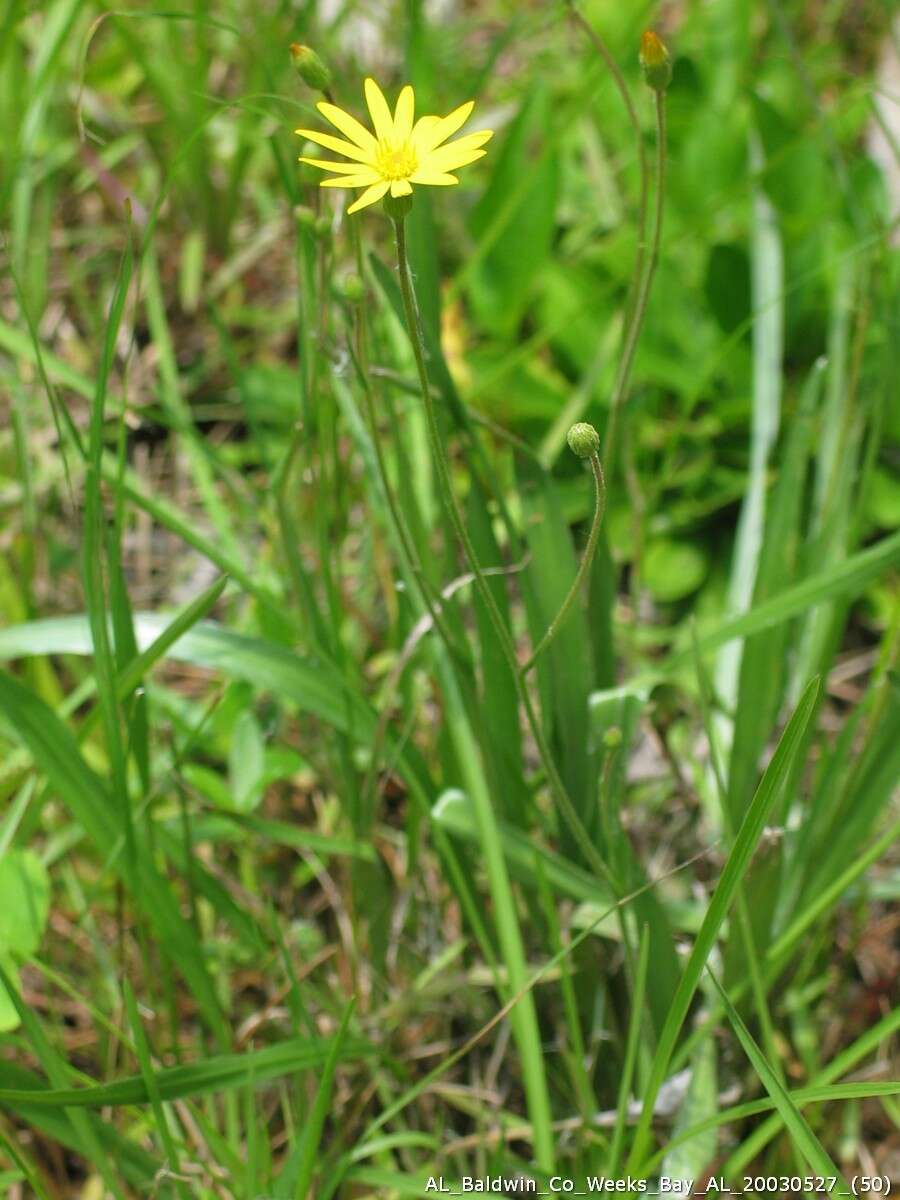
x: 655, y: 61
x: 583, y: 439
x: 310, y: 67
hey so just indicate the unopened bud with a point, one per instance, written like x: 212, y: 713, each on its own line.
x: 612, y: 738
x: 351, y: 288
x: 583, y: 439
x: 310, y: 67
x: 305, y: 217
x: 322, y: 227
x: 655, y: 61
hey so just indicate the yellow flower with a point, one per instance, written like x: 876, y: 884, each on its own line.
x: 399, y: 153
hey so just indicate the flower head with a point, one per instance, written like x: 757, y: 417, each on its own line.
x: 583, y: 439
x: 400, y: 152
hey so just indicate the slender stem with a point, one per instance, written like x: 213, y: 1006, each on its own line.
x: 433, y: 604
x: 560, y: 795
x: 634, y: 120
x: 587, y: 558
x: 407, y: 543
x: 525, y: 1023
x: 636, y: 323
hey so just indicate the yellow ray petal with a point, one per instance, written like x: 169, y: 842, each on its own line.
x: 463, y: 145
x: 446, y: 126
x: 333, y: 143
x: 421, y: 130
x: 370, y: 196
x: 379, y: 111
x: 400, y: 187
x: 349, y: 126
x: 448, y: 158
x: 403, y: 114
x: 348, y: 168
x: 433, y: 178
x: 363, y: 179
x: 470, y: 141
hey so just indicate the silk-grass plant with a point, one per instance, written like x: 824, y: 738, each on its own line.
x: 357, y: 832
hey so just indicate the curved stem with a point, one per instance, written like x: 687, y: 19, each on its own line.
x: 556, y: 624
x: 560, y: 795
x: 636, y: 323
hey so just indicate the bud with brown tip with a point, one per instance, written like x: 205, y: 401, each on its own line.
x: 310, y: 67
x: 655, y: 61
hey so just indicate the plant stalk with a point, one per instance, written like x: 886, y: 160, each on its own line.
x: 636, y: 321
x: 583, y: 567
x: 560, y: 795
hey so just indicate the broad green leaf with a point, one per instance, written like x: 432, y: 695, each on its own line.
x: 501, y: 733
x: 9, y: 1014
x: 564, y: 670
x: 24, y: 902
x: 454, y: 812
x: 520, y: 203
x: 24, y: 906
x: 314, y: 686
x: 246, y: 762
x: 673, y: 569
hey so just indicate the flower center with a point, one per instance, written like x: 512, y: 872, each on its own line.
x: 396, y: 162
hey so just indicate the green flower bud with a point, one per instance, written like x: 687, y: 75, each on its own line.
x: 351, y: 288
x: 655, y: 61
x: 322, y: 227
x: 612, y: 738
x: 583, y: 439
x: 305, y: 217
x: 310, y: 68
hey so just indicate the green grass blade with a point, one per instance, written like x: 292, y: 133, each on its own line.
x: 219, y: 1073
x: 846, y: 577
x: 296, y: 1181
x: 149, y: 1077
x: 804, y: 1138
x: 738, y: 860
x: 59, y: 1073
x: 85, y: 794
